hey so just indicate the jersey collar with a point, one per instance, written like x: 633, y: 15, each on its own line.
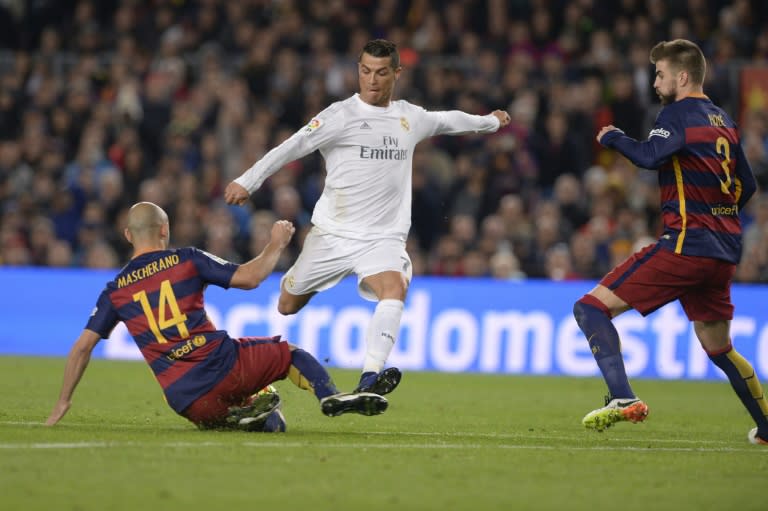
x: 695, y: 95
x: 371, y: 108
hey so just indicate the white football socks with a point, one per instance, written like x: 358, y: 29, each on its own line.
x: 382, y: 333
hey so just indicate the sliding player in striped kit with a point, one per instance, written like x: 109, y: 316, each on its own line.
x: 207, y: 376
x: 361, y: 221
x: 705, y: 181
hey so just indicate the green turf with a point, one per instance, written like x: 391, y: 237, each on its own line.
x: 447, y: 442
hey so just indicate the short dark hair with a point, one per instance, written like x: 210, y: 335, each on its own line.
x: 682, y: 55
x: 382, y: 48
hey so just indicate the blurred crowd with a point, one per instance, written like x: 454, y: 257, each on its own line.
x: 105, y: 103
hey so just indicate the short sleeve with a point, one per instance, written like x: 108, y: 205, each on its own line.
x: 213, y: 269
x: 104, y: 317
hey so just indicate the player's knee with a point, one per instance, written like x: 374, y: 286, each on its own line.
x: 288, y: 303
x: 286, y: 307
x: 578, y: 307
x: 578, y: 311
x: 397, y: 289
x: 586, y: 306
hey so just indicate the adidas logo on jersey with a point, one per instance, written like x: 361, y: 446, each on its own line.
x: 365, y: 126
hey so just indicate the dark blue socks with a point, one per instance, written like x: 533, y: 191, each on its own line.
x: 307, y: 373
x: 594, y: 320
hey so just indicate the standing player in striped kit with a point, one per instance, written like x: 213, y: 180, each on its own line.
x: 361, y: 221
x: 207, y: 376
x: 704, y: 180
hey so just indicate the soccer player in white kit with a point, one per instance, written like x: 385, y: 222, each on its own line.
x: 362, y: 219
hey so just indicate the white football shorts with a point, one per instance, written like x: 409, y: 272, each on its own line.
x: 326, y: 259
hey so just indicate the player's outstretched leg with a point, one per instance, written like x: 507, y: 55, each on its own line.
x: 306, y: 373
x: 380, y: 383
x: 594, y: 319
x: 364, y: 403
x: 616, y: 410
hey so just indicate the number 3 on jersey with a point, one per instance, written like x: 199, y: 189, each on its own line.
x: 166, y: 301
x: 723, y: 149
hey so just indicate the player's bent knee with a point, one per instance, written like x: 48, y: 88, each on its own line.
x: 397, y: 290
x: 588, y: 300
x: 290, y: 304
x: 578, y: 311
x: 286, y: 308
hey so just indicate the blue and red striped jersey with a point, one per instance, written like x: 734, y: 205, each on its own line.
x: 159, y: 297
x: 704, y: 178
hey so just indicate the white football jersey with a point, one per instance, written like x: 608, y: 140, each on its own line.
x: 368, y: 153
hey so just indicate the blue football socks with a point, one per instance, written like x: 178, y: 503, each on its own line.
x: 307, y: 373
x: 605, y: 345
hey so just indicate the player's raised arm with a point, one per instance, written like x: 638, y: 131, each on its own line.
x: 456, y: 122
x: 664, y: 140
x: 317, y: 132
x: 249, y: 275
x: 77, y: 361
x: 238, y: 191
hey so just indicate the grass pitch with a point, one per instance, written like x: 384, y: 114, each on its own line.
x: 447, y: 442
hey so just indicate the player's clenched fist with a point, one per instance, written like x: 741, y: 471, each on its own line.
x: 502, y: 116
x: 235, y: 194
x: 282, y: 232
x: 604, y: 130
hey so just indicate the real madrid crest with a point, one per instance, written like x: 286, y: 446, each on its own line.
x: 404, y: 124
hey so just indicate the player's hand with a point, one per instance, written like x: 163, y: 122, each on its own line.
x: 282, y: 232
x: 59, y: 410
x: 235, y: 194
x: 503, y: 117
x: 605, y: 130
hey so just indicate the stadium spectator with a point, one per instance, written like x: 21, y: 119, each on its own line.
x: 584, y: 256
x: 557, y: 151
x: 475, y: 264
x: 213, y: 71
x: 504, y: 265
